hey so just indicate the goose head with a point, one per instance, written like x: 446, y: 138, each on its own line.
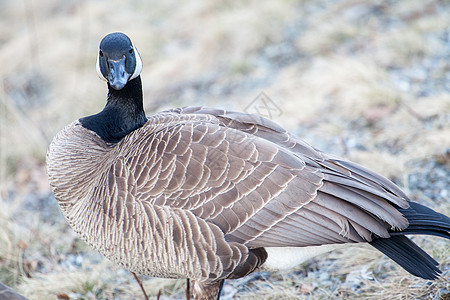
x: 118, y: 61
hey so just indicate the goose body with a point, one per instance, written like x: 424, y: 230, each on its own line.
x: 208, y: 194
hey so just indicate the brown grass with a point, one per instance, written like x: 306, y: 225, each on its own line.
x: 356, y: 75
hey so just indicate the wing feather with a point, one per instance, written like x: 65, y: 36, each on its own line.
x: 257, y: 183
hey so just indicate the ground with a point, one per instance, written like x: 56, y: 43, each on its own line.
x: 369, y: 82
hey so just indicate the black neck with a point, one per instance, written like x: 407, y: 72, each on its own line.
x: 123, y: 113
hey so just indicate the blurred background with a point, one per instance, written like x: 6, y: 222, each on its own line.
x: 367, y: 80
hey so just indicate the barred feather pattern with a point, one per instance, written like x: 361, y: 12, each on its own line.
x: 195, y: 192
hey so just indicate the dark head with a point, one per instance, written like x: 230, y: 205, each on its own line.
x: 118, y: 61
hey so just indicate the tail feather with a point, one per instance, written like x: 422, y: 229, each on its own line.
x: 422, y: 230
x: 422, y: 220
x: 418, y: 214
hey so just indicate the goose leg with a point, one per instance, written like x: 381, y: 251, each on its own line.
x: 140, y: 284
x: 206, y: 290
x: 222, y: 282
x: 188, y: 289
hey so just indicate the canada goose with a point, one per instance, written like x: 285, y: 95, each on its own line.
x: 207, y: 194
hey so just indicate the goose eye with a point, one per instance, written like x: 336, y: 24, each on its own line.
x: 131, y: 51
x: 100, y: 53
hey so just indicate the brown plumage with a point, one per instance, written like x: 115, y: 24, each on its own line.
x: 204, y: 194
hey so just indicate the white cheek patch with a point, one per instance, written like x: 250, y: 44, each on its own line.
x: 97, y: 67
x: 138, y: 68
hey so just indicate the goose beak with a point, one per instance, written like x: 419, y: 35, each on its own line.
x: 118, y: 76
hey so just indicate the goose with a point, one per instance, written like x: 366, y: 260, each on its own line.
x: 207, y: 194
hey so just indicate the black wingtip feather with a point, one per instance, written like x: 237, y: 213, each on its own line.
x: 408, y: 255
x: 422, y: 220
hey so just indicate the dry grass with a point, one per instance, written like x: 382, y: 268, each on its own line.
x: 368, y: 81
